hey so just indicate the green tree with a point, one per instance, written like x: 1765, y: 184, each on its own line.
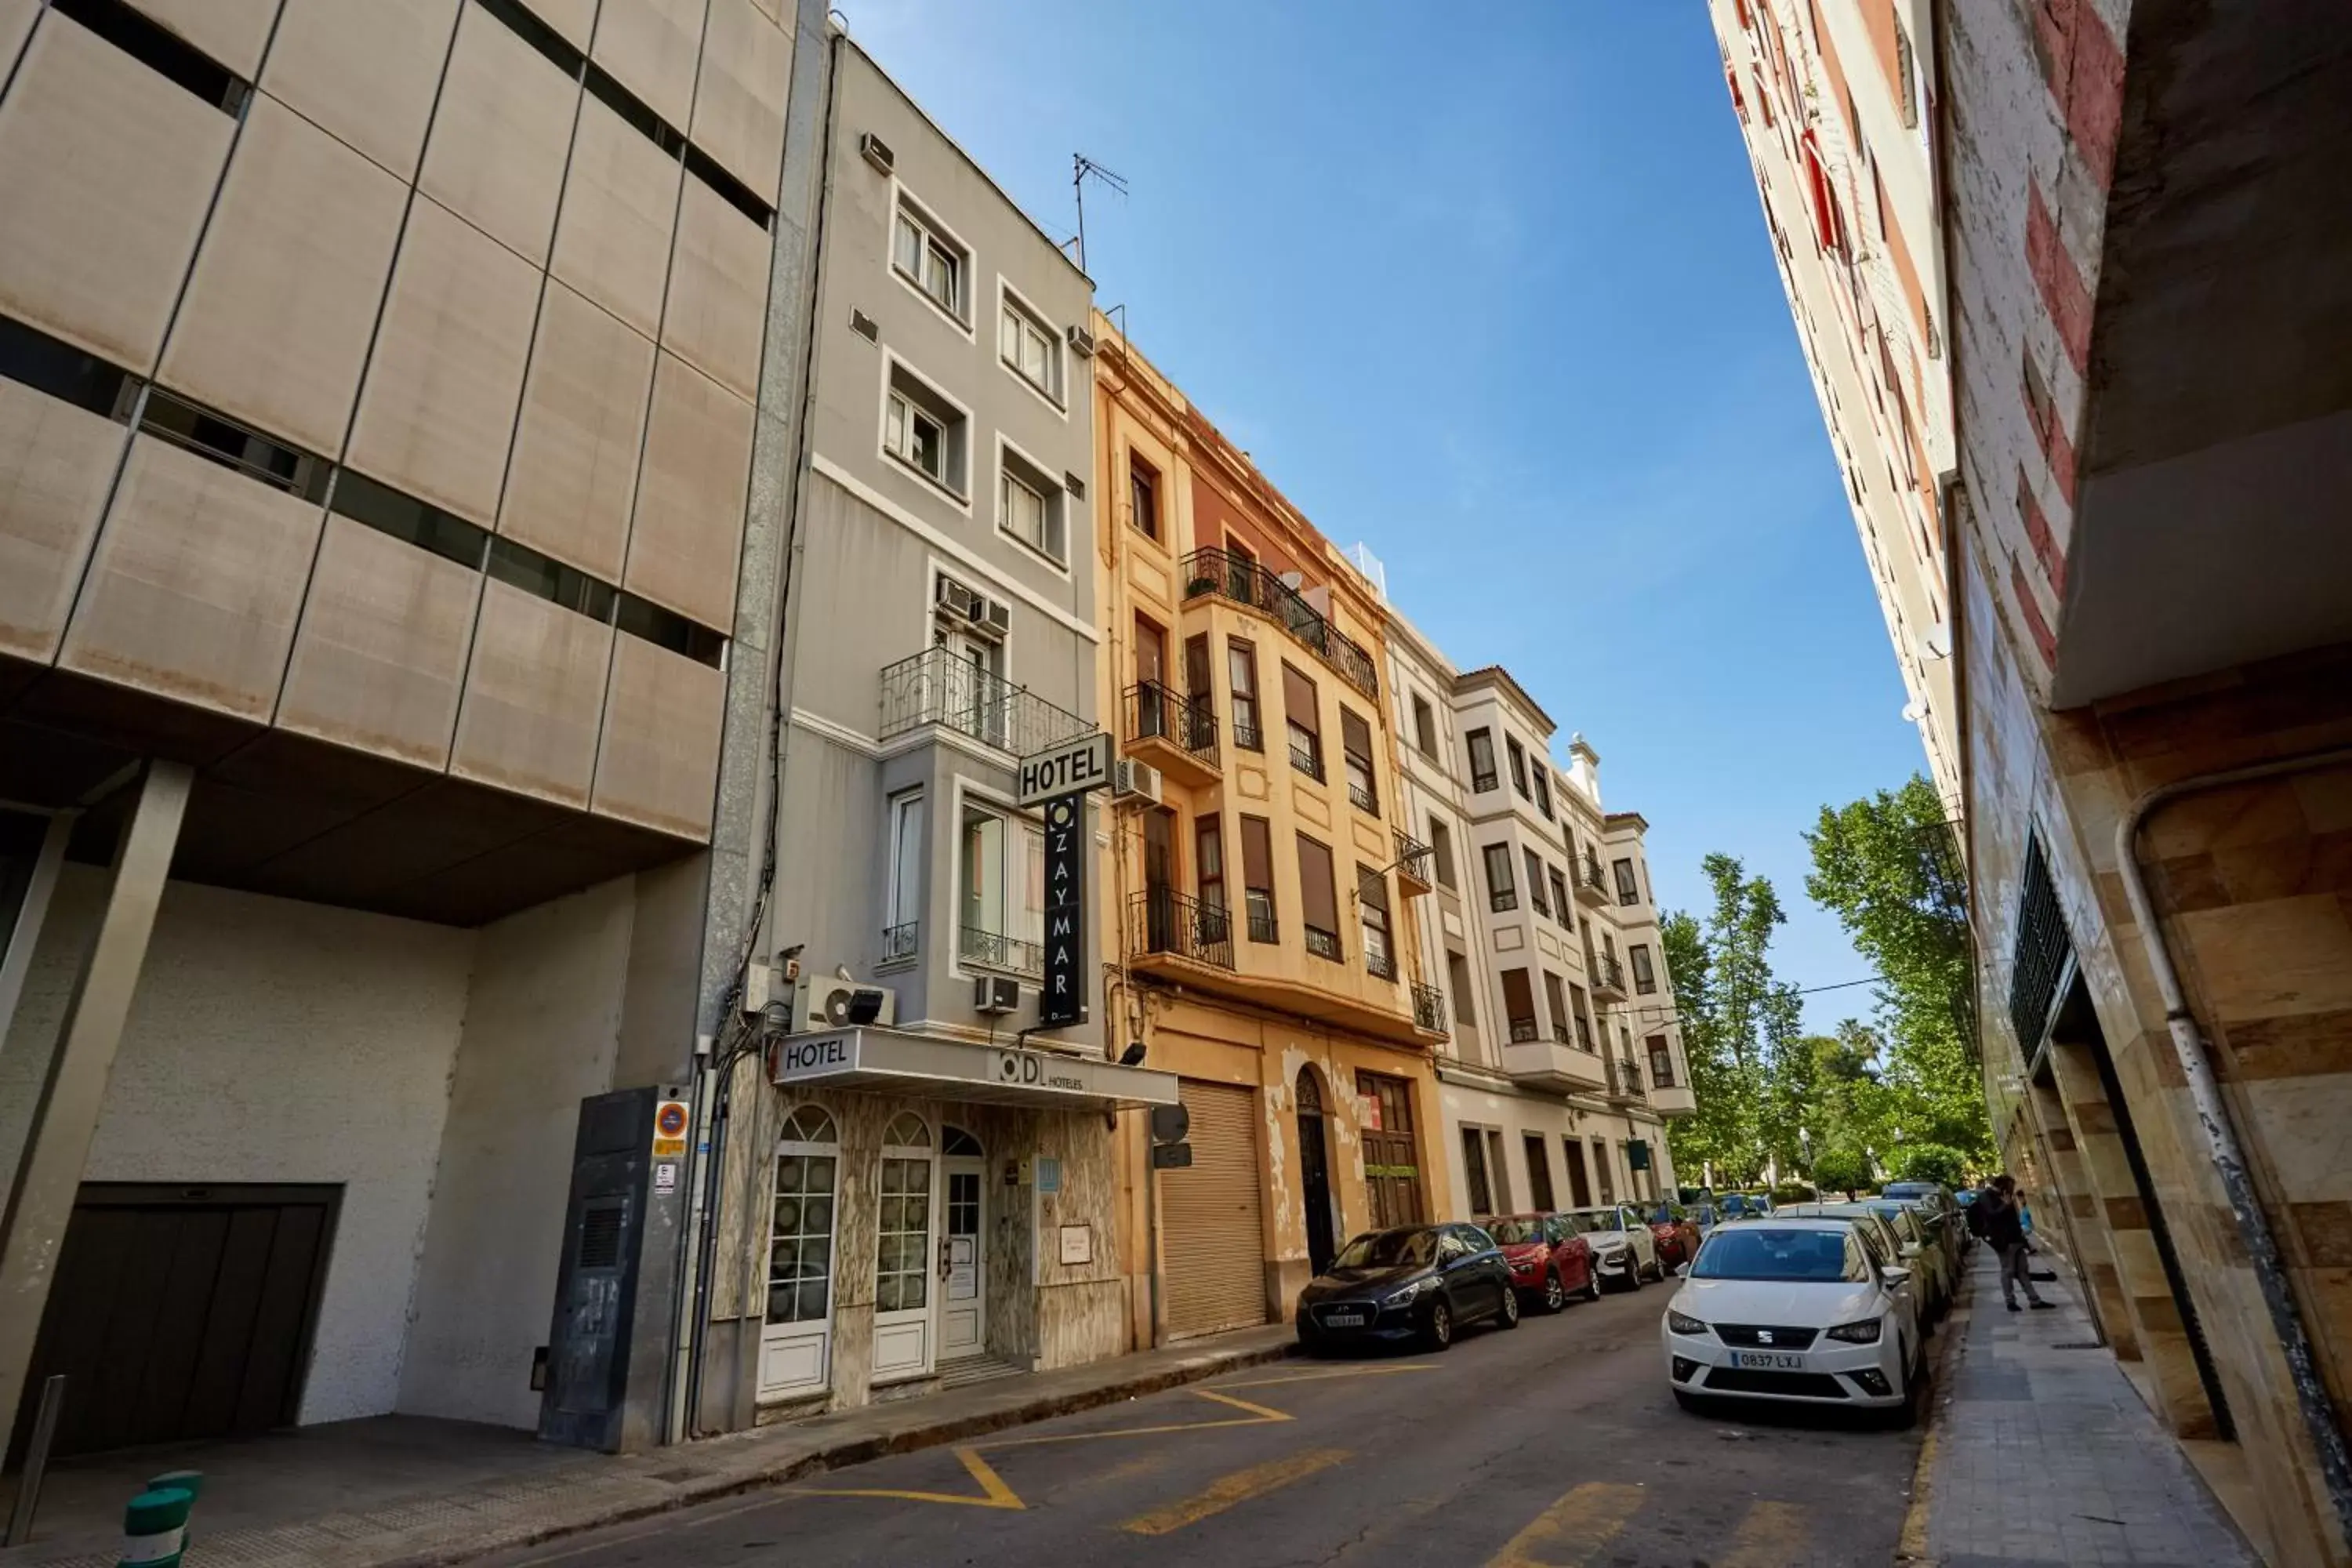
x: 1736, y: 1020
x: 1842, y: 1169
x: 1932, y: 1163
x: 1886, y: 866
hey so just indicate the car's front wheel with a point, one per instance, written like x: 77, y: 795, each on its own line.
x: 1633, y: 1274
x: 1592, y: 1283
x: 1555, y: 1294
x: 1507, y: 1316
x: 1437, y: 1328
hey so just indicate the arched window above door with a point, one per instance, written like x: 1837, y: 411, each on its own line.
x: 807, y: 1124
x: 955, y: 1141
x: 1311, y: 1091
x: 907, y: 1131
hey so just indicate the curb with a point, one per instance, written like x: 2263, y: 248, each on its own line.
x: 1911, y: 1547
x: 735, y: 1481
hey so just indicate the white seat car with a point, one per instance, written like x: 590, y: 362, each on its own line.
x: 1796, y: 1310
x: 1623, y: 1248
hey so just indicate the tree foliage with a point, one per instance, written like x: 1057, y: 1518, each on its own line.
x: 1886, y: 865
x: 1738, y: 1023
x: 1843, y: 1169
x: 1932, y: 1163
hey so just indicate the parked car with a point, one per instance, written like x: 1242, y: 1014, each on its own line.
x: 1549, y: 1260
x: 1797, y: 1310
x: 1889, y: 1240
x: 1677, y: 1234
x: 1743, y: 1206
x: 1416, y: 1282
x: 1623, y: 1248
x: 1946, y: 1221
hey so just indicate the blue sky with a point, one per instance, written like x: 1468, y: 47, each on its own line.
x: 1488, y: 290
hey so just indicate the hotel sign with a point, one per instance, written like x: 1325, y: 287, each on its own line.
x: 1071, y: 768
x: 1062, y: 991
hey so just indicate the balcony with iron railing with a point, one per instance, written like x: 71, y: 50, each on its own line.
x: 1414, y: 861
x: 935, y: 687
x: 1584, y: 870
x: 1625, y: 1079
x: 899, y: 942
x: 1607, y: 977
x: 1006, y: 954
x: 1324, y: 944
x: 1174, y: 733
x: 1429, y: 1009
x: 1164, y: 923
x: 1243, y: 581
x: 1378, y: 962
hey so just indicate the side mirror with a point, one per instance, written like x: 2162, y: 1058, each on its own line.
x: 1682, y: 1270
x: 1910, y: 1249
x: 1895, y: 1278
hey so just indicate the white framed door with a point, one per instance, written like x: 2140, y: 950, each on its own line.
x: 963, y: 1245
x: 904, y: 1343
x: 796, y: 1333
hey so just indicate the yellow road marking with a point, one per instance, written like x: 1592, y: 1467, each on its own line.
x: 1259, y: 1415
x: 1771, y: 1536
x: 1912, y: 1547
x: 1329, y: 1375
x: 1227, y: 1491
x: 995, y: 1493
x: 1582, y: 1520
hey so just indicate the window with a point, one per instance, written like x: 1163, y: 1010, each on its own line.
x: 1440, y: 850
x: 1257, y: 879
x: 1519, y: 1004
x: 1029, y: 507
x: 1558, y: 1005
x: 1543, y: 789
x: 1241, y: 669
x: 1645, y: 977
x: 1606, y: 1167
x: 1474, y: 1168
x: 1558, y: 894
x: 800, y: 1233
x: 1536, y: 882
x: 1662, y: 1062
x: 1196, y: 669
x: 1304, y: 721
x: 1906, y: 72
x: 1209, y: 862
x: 1629, y: 892
x: 1355, y: 751
x: 926, y: 259
x: 902, y: 919
x: 1142, y: 496
x: 1500, y: 893
x: 902, y: 1262
x: 1482, y: 760
x: 1424, y: 727
x: 1583, y: 1021
x: 1518, y: 766
x: 1029, y: 351
x: 1501, y: 1173
x: 1538, y: 1171
x: 924, y: 431
x: 1001, y: 861
x: 1372, y: 914
x: 1457, y: 980
x: 1318, y: 898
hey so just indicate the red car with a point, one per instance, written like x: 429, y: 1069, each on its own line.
x: 1678, y: 1238
x: 1549, y: 1261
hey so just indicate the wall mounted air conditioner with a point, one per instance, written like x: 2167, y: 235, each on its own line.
x: 996, y: 995
x: 1131, y: 780
x: 1082, y: 343
x: 997, y: 616
x: 829, y: 1002
x: 878, y: 152
x: 955, y: 598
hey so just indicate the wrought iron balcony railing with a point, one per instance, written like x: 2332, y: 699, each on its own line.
x: 934, y: 687
x: 1244, y: 581
x: 1161, y: 920
x: 1608, y: 974
x: 1380, y: 965
x: 1414, y: 858
x: 994, y: 950
x: 1263, y: 925
x: 1156, y: 712
x: 1325, y: 944
x: 1429, y: 1009
x: 1523, y: 1030
x: 901, y: 941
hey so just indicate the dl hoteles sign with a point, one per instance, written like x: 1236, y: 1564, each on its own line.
x: 1062, y: 995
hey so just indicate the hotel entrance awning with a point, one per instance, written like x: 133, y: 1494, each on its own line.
x: 926, y: 1065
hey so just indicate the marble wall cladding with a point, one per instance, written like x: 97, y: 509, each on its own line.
x: 2253, y: 885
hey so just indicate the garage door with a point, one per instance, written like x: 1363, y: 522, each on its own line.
x: 1212, y: 1236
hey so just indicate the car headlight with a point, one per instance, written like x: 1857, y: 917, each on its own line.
x: 1862, y: 1333
x: 1399, y: 1297
x: 1683, y: 1325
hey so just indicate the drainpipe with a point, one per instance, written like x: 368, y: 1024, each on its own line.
x: 2319, y: 1418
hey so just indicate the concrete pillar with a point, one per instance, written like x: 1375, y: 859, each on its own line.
x: 56, y: 1143
x: 24, y: 930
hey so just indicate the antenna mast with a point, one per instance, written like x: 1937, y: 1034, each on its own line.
x: 1081, y: 166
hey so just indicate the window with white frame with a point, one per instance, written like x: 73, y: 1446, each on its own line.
x: 903, y: 914
x: 1002, y: 868
x: 1029, y: 350
x: 929, y: 260
x: 1031, y: 507
x: 924, y: 431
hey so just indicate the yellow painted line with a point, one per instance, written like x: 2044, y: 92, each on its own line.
x: 1259, y: 1415
x: 1581, y: 1522
x: 1911, y: 1545
x: 1230, y: 1491
x: 1771, y: 1536
x: 994, y: 1492
x: 1327, y: 1376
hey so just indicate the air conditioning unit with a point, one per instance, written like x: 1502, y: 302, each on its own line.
x: 996, y: 995
x: 1082, y: 343
x: 1131, y: 780
x: 878, y: 152
x: 957, y: 599
x: 999, y: 618
x: 829, y: 1002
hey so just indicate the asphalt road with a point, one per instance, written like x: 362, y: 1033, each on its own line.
x: 1554, y: 1444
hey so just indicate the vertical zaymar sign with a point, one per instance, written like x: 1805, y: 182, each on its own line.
x: 1062, y: 997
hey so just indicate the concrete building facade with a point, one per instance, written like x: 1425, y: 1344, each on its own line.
x: 2144, y: 548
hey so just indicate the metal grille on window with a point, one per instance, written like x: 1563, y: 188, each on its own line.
x: 2043, y: 949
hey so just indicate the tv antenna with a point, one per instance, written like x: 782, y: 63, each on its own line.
x: 1082, y: 167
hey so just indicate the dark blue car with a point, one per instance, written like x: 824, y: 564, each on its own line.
x: 1415, y: 1284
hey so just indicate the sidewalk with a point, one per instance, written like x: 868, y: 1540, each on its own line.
x: 338, y: 1510
x: 2042, y: 1455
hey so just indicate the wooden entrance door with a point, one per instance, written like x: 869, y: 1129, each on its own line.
x: 1391, y: 1155
x: 181, y: 1312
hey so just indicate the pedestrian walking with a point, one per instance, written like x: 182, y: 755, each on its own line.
x: 2004, y: 1228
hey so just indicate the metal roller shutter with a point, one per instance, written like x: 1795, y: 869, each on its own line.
x: 1212, y: 1238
